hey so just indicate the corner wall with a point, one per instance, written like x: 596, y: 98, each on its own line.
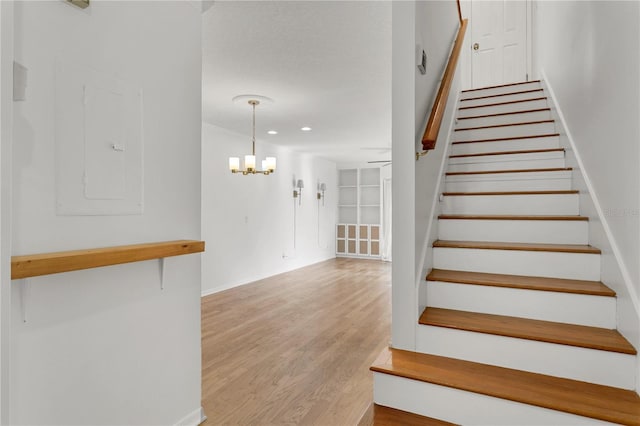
x: 250, y: 222
x: 588, y: 57
x: 432, y: 25
x: 107, y: 346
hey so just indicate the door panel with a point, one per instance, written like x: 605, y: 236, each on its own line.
x: 499, y: 28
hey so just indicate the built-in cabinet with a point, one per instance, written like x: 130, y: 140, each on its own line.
x: 359, y: 212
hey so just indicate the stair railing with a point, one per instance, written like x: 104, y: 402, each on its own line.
x: 439, y: 105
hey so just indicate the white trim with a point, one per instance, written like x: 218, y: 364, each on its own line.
x: 437, y: 194
x: 529, y: 41
x: 596, y: 202
x: 194, y: 418
x: 6, y: 137
x: 218, y: 289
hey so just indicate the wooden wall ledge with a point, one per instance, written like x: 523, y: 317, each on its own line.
x: 65, y: 261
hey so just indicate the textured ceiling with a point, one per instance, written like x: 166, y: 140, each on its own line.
x: 326, y: 64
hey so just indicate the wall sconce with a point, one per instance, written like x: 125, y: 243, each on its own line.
x: 321, y: 188
x: 297, y: 193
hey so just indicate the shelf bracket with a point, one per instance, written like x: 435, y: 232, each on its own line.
x: 162, y: 273
x: 25, y: 289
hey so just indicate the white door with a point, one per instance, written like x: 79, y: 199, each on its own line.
x: 499, y: 42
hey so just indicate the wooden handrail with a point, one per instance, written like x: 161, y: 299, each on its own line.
x: 65, y: 261
x: 440, y: 104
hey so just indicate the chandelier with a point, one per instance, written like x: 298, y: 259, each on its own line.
x: 268, y: 164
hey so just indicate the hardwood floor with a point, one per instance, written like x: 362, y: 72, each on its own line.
x: 296, y: 348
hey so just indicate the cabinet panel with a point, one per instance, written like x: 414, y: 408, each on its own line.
x: 375, y: 248
x: 352, y: 247
x: 352, y: 231
x: 375, y: 232
x: 364, y: 232
x: 364, y: 247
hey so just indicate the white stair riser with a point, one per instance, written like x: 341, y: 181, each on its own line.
x: 515, y: 231
x: 515, y: 157
x: 462, y: 407
x: 509, y: 185
x: 508, y: 145
x: 580, y: 309
x: 520, y: 130
x: 508, y: 165
x: 504, y: 119
x: 579, y: 266
x: 499, y: 109
x: 500, y: 90
x: 589, y: 365
x: 552, y: 204
x: 478, y: 100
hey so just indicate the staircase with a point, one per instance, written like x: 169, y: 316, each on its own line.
x: 518, y: 330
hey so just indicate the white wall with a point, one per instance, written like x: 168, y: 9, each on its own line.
x: 107, y: 346
x: 437, y: 25
x: 6, y: 136
x: 248, y: 221
x: 433, y: 25
x: 588, y: 54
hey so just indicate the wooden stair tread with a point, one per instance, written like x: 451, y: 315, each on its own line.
x: 490, y: 245
x: 505, y: 113
x: 523, y: 328
x: 505, y: 103
x: 501, y: 85
x: 524, y: 123
x: 570, y: 396
x: 521, y: 92
x: 510, y: 217
x: 525, y: 151
x: 379, y: 415
x: 559, y: 285
x: 491, y: 172
x: 561, y: 192
x: 513, y: 138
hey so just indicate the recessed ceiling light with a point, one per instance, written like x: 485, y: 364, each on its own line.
x: 305, y: 129
x: 272, y: 132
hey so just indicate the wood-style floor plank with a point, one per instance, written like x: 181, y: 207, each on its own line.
x: 296, y: 348
x: 379, y: 415
x: 524, y: 328
x: 490, y: 245
x: 560, y: 285
x: 571, y: 396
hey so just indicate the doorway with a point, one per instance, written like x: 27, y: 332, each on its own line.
x: 499, y: 42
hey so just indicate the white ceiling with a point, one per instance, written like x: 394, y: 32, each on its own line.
x: 326, y: 64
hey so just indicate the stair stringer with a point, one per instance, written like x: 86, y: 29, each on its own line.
x: 613, y: 270
x: 424, y: 257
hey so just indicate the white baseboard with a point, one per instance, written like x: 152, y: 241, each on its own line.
x: 194, y: 418
x: 614, y: 269
x: 603, y: 219
x: 224, y: 287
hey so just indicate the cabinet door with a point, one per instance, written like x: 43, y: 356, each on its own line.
x: 375, y: 248
x: 352, y: 247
